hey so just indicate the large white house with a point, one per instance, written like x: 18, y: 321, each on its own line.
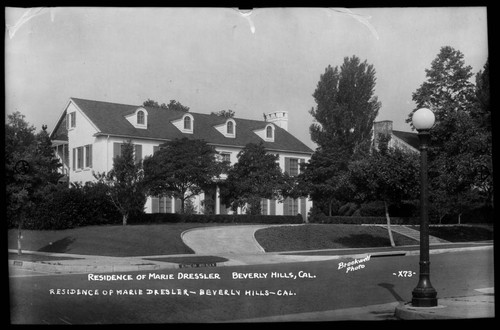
x: 89, y: 134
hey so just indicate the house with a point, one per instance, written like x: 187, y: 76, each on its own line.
x: 399, y: 139
x: 89, y: 134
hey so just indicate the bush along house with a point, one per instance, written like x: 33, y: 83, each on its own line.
x: 89, y: 134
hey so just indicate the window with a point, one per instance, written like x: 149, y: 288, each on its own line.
x: 187, y: 123
x: 230, y: 127
x: 290, y: 206
x: 140, y: 118
x: 292, y: 166
x: 269, y: 132
x: 263, y: 204
x: 79, y: 161
x: 71, y: 120
x: 225, y: 157
x: 88, y: 155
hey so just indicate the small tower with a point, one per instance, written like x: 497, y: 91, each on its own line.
x: 280, y: 118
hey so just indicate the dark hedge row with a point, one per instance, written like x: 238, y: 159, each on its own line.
x: 353, y: 220
x: 214, y: 218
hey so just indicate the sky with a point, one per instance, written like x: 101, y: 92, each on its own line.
x: 210, y: 59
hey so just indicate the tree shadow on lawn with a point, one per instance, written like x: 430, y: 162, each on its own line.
x: 59, y: 246
x: 363, y: 241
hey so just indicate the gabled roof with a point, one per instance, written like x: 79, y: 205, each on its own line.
x: 109, y: 118
x: 408, y: 137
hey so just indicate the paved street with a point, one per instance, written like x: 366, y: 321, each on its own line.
x: 325, y: 293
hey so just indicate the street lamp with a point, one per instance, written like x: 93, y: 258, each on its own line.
x: 424, y: 295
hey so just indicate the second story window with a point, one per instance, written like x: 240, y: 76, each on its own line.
x: 71, y: 120
x: 140, y: 118
x: 187, y: 123
x: 230, y: 127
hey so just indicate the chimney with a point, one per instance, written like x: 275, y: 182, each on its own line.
x: 280, y: 118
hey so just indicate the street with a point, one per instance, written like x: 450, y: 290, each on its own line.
x: 231, y: 293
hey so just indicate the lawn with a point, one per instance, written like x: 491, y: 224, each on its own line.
x: 165, y: 239
x: 461, y: 233
x: 326, y: 236
x: 112, y: 240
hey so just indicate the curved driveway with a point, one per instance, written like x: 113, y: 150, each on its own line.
x: 224, y: 239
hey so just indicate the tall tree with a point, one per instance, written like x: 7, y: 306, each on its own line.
x: 30, y: 165
x: 256, y: 175
x: 344, y: 114
x: 125, y: 183
x: 460, y: 166
x: 448, y: 87
x: 182, y: 168
x: 172, y: 105
x: 346, y: 105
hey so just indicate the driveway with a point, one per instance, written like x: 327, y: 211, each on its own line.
x: 224, y: 240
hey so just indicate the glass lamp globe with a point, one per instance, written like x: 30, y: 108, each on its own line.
x: 423, y: 119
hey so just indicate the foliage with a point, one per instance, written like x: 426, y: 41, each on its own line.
x: 172, y: 105
x: 256, y: 175
x: 447, y: 88
x: 63, y: 207
x: 224, y: 113
x: 360, y: 220
x: 125, y: 182
x: 182, y: 168
x: 215, y: 218
x: 344, y: 114
x: 460, y: 150
x: 22, y: 144
x: 346, y: 106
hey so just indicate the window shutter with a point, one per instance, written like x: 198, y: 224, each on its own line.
x: 90, y: 155
x: 67, y: 121
x: 302, y: 161
x: 74, y: 159
x: 155, y: 149
x: 273, y: 207
x: 155, y: 206
x: 117, y: 149
x: 287, y: 165
x: 138, y: 153
x: 303, y: 210
x: 177, y: 205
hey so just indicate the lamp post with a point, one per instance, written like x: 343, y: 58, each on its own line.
x: 424, y: 295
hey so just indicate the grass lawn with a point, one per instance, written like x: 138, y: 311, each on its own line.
x: 112, y: 240
x: 461, y: 233
x: 326, y: 236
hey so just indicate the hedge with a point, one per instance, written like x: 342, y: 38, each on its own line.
x: 214, y: 218
x: 363, y: 220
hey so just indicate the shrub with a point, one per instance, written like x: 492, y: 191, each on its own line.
x: 364, y: 220
x: 61, y: 207
x: 214, y: 218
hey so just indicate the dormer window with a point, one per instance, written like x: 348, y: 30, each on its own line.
x: 269, y: 132
x: 266, y: 133
x: 230, y: 128
x: 140, y: 118
x: 187, y: 123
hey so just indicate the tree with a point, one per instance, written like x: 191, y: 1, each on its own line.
x: 172, y: 105
x: 460, y: 150
x: 344, y: 114
x: 224, y: 113
x: 30, y: 165
x: 256, y: 175
x: 387, y: 174
x: 346, y: 106
x: 182, y: 168
x: 125, y: 183
x: 448, y: 87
